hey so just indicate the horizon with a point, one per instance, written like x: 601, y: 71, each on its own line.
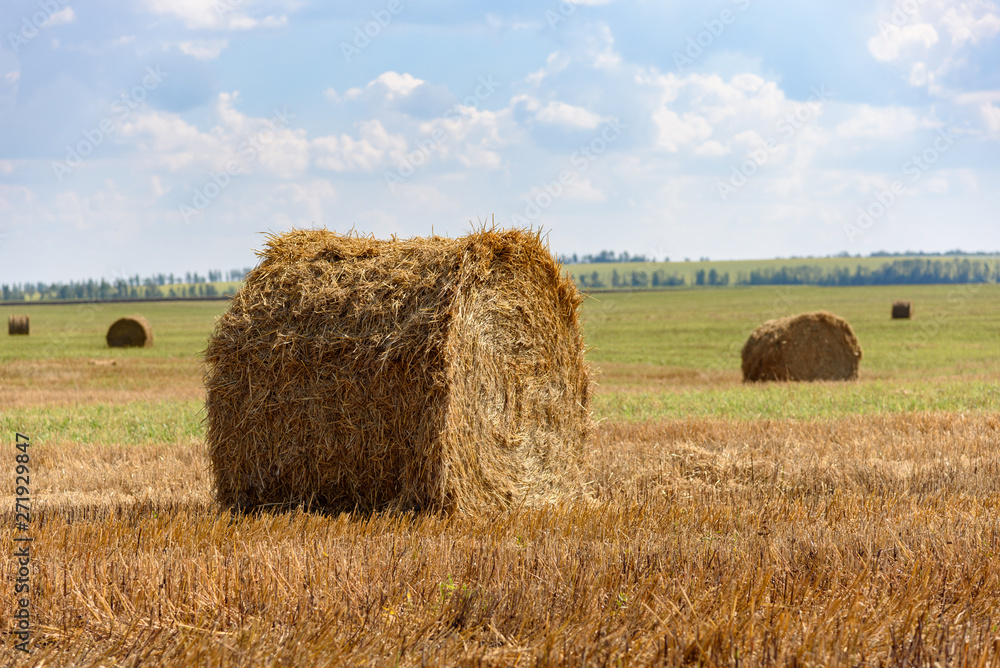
x: 163, y: 137
x: 197, y: 277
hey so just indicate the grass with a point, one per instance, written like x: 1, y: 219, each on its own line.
x: 955, y: 329
x: 77, y: 330
x: 716, y: 523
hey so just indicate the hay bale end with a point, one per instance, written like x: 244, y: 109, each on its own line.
x: 902, y: 310
x: 18, y: 325
x: 132, y: 331
x: 809, y: 346
x: 427, y: 373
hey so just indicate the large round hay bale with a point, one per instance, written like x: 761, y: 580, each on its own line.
x: 132, y: 331
x: 18, y: 324
x: 902, y: 309
x: 810, y: 346
x: 428, y: 373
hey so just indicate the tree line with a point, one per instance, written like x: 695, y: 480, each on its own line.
x: 158, y: 286
x: 897, y: 272
x: 911, y: 271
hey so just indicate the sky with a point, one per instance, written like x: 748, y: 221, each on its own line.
x: 159, y: 136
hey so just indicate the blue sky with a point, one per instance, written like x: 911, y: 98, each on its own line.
x: 167, y: 135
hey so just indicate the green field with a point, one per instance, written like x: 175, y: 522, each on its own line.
x: 657, y: 354
x: 955, y: 330
x: 180, y: 329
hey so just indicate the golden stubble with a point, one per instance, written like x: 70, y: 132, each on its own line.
x: 855, y: 541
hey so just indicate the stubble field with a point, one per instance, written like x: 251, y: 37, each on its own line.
x: 720, y: 524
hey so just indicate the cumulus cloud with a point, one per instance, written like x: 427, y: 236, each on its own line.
x: 971, y: 21
x: 893, y: 41
x: 677, y: 130
x: 64, y: 16
x: 389, y: 85
x: 308, y: 201
x: 929, y: 40
x: 165, y: 140
x: 213, y: 14
x: 373, y: 147
x: 567, y: 116
x: 991, y: 118
x: 203, y: 49
x: 881, y: 123
x: 695, y: 107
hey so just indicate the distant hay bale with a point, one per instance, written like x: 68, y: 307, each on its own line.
x: 901, y: 309
x: 427, y: 373
x: 810, y: 346
x: 18, y: 324
x: 133, y: 331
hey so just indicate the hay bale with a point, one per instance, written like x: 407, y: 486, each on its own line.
x: 18, y: 324
x: 427, y: 373
x: 902, y: 309
x: 132, y: 331
x: 810, y: 346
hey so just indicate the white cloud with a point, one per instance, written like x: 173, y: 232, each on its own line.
x: 991, y: 117
x: 15, y: 197
x: 213, y: 14
x: 310, y: 202
x: 919, y: 76
x: 579, y: 189
x: 712, y: 149
x: 554, y: 63
x: 387, y: 87
x: 937, y: 184
x: 964, y: 25
x: 64, y: 16
x: 678, y: 130
x: 583, y: 190
x: 397, y: 84
x: 204, y: 49
x: 374, y: 147
x: 568, y: 115
x: 892, y: 41
x: 881, y: 123
x: 165, y: 140
x: 696, y: 107
x: 473, y: 137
